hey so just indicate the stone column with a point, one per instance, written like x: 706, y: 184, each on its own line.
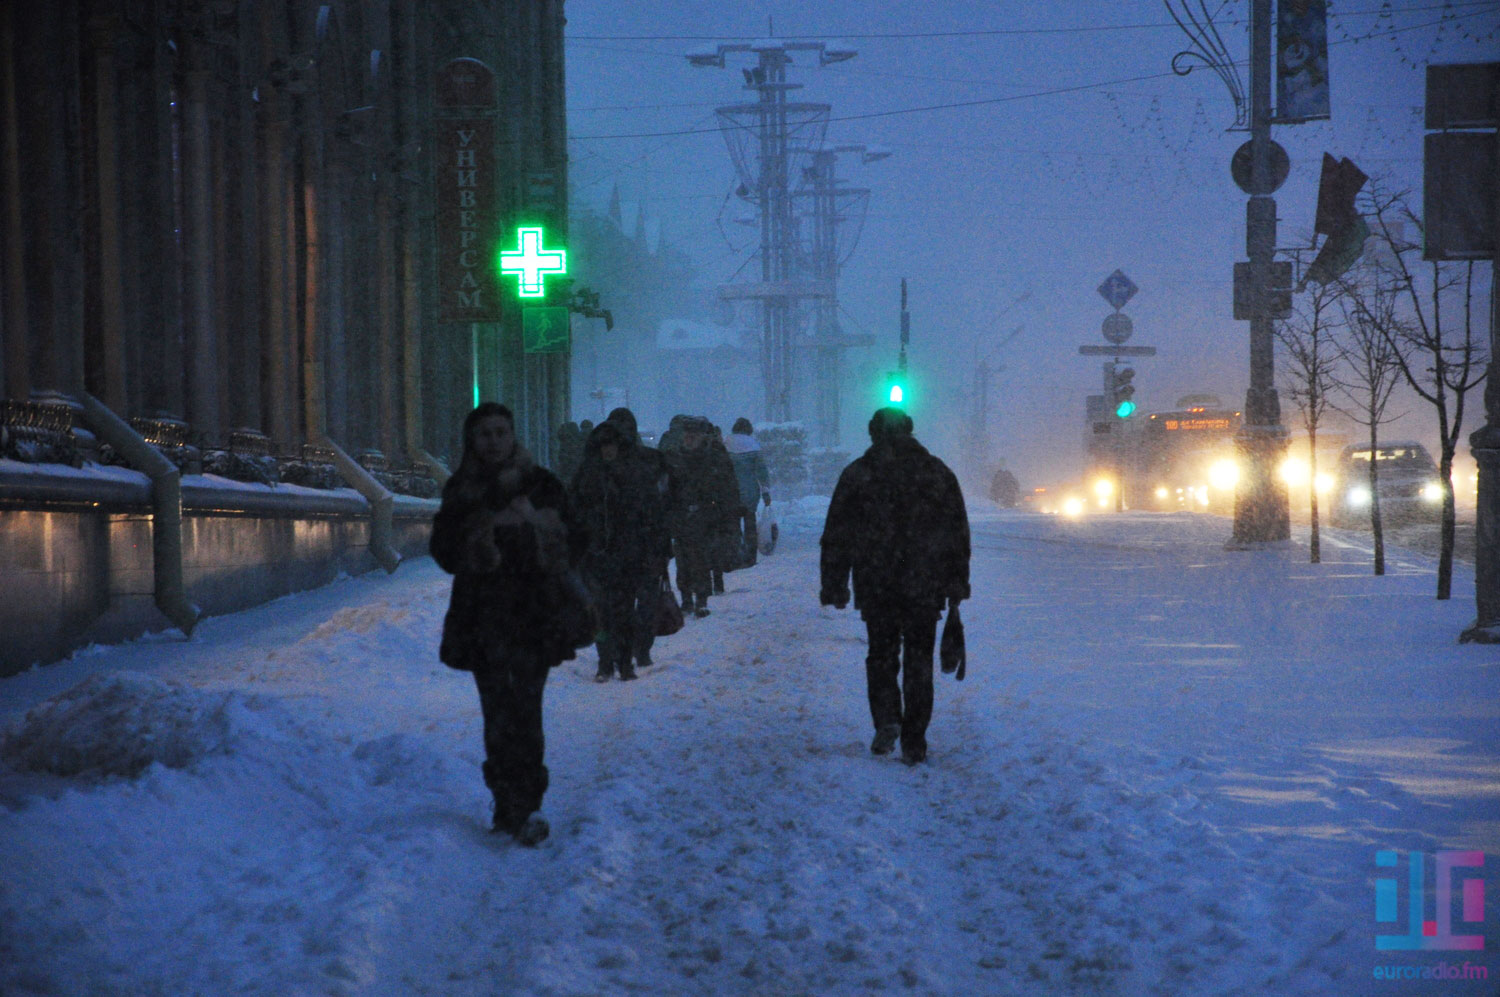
x: 204, y: 403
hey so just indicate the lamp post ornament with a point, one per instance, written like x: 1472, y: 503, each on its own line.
x: 531, y: 263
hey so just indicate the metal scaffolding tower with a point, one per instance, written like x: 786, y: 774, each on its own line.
x: 771, y: 141
x: 834, y: 215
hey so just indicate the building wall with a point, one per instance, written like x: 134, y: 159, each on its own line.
x: 222, y: 212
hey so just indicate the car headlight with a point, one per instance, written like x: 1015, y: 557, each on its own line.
x: 1358, y: 496
x: 1161, y: 492
x: 1295, y: 471
x: 1432, y: 492
x: 1224, y: 474
x: 1072, y: 506
x: 1324, y: 484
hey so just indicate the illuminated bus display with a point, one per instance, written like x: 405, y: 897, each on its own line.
x: 1196, y: 424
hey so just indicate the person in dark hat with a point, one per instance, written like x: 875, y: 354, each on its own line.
x: 897, y: 522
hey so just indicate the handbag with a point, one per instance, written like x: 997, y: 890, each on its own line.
x: 952, y: 653
x: 575, y: 616
x: 669, y: 618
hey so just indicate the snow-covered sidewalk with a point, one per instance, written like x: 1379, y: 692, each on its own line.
x: 1168, y: 773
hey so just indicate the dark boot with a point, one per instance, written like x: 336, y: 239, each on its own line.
x: 533, y: 831
x: 701, y: 609
x: 885, y: 739
x: 718, y: 582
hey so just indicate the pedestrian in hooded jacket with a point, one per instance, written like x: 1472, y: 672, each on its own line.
x: 506, y: 533
x: 753, y: 480
x: 897, y: 522
x: 615, y: 502
x: 653, y: 477
x: 705, y: 497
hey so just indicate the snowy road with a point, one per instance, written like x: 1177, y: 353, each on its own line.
x: 1168, y: 773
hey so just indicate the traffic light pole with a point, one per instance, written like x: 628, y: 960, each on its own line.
x: 1261, y: 511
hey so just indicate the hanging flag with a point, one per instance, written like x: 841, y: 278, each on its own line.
x: 1301, y: 60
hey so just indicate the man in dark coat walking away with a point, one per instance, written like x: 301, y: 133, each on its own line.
x: 652, y: 481
x: 506, y: 533
x: 897, y: 521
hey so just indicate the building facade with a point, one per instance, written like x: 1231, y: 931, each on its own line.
x: 221, y: 221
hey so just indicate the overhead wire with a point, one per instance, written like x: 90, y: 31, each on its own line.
x: 983, y: 101
x: 1000, y: 32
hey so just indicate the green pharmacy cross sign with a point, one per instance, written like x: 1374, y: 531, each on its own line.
x: 531, y: 263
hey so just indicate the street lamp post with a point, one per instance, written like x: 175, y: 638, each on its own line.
x: 1261, y: 511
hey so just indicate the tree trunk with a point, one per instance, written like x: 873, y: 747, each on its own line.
x: 1445, y: 549
x: 1316, y: 553
x: 1376, y: 527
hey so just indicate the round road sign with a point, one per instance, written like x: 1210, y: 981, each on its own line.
x: 1117, y: 327
x: 1239, y: 168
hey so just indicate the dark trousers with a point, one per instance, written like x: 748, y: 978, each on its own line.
x: 751, y: 535
x: 694, y: 576
x: 647, y: 596
x: 912, y: 631
x: 510, y: 696
x: 627, y: 610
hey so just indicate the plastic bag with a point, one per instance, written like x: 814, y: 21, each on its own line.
x: 951, y: 653
x: 768, y: 531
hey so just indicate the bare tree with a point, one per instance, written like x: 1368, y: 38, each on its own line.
x: 1370, y: 372
x: 1309, y: 359
x: 1441, y: 364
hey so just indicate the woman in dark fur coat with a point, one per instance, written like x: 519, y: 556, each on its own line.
x: 506, y: 534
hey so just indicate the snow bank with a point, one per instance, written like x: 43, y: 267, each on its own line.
x: 117, y: 725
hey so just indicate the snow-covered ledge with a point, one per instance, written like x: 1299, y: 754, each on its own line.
x: 76, y: 556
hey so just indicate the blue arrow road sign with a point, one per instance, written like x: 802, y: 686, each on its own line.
x: 1117, y: 289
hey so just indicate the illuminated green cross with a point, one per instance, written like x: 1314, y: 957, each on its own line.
x: 530, y: 263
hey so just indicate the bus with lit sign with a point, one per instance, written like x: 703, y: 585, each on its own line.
x: 1186, y: 458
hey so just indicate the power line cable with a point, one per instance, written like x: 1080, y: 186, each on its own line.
x: 979, y: 102
x: 994, y: 32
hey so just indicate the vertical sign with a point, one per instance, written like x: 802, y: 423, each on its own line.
x: 1301, y: 60
x: 464, y: 168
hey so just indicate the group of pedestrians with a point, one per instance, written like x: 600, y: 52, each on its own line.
x: 517, y: 539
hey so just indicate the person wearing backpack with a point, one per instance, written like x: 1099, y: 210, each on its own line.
x: 897, y: 523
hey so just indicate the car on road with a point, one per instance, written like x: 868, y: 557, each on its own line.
x: 1406, y: 478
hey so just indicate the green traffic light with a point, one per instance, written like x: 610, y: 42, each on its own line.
x: 897, y: 395
x: 1125, y: 409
